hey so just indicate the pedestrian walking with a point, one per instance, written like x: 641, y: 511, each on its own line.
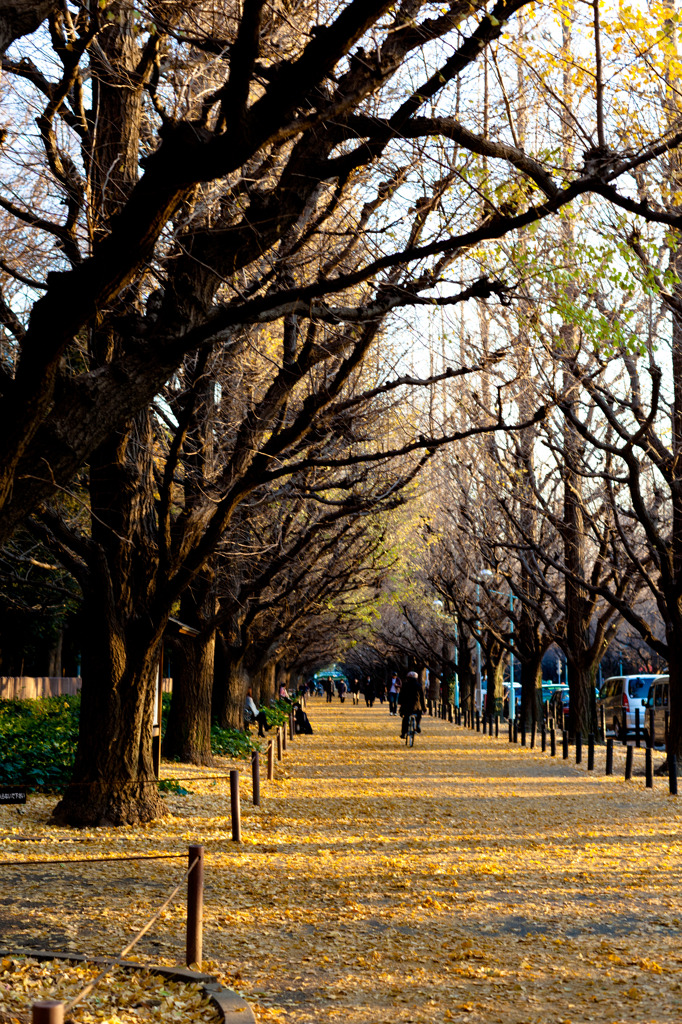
x: 393, y: 692
x: 355, y: 690
x: 368, y: 688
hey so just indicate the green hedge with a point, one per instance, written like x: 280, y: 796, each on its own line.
x: 39, y: 739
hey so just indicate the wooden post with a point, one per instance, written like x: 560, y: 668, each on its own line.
x: 195, y: 906
x: 543, y: 737
x: 552, y: 742
x: 649, y: 766
x: 255, y: 778
x: 497, y: 726
x: 638, y: 741
x: 532, y: 737
x: 485, y: 724
x: 652, y: 727
x: 523, y: 733
x: 511, y: 731
x: 279, y: 742
x: 564, y: 741
x: 283, y: 731
x: 235, y: 806
x: 590, y: 752
x: 625, y: 728
x: 629, y: 755
x: 478, y: 721
x: 291, y: 725
x: 516, y: 730
x: 578, y: 747
x: 47, y: 1011
x: 271, y: 761
x: 609, y: 756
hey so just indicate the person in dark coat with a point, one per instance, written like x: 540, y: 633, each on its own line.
x: 411, y: 701
x: 368, y: 688
x: 355, y: 690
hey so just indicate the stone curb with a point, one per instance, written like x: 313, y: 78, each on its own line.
x: 233, y: 1009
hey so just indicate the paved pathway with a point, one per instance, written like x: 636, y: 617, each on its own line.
x: 465, y: 879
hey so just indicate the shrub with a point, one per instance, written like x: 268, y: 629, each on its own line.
x: 232, y: 743
x: 39, y: 739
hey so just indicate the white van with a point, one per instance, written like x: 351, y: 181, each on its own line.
x: 621, y: 695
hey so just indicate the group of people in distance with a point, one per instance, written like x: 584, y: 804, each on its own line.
x: 404, y: 698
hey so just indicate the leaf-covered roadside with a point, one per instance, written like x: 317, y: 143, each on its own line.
x: 466, y: 879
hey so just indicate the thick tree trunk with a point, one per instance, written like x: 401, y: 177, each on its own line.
x: 188, y: 731
x: 113, y: 781
x: 531, y: 688
x: 582, y: 712
x: 229, y: 692
x: 466, y: 675
x: 495, y: 673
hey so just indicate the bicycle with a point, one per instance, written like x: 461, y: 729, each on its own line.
x: 411, y: 729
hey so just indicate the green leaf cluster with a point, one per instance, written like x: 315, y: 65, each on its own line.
x: 231, y: 743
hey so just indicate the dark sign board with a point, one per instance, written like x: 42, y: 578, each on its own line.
x: 12, y: 795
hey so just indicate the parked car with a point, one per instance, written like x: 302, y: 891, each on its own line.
x: 559, y: 702
x: 621, y: 696
x: 658, y: 701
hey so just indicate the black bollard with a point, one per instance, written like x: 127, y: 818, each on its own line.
x: 478, y: 721
x: 497, y: 726
x: 578, y: 747
x: 638, y: 741
x: 271, y: 760
x: 516, y: 731
x: 590, y: 752
x: 235, y: 806
x: 523, y: 734
x: 485, y: 724
x: 609, y: 756
x: 672, y: 775
x: 511, y: 731
x: 255, y: 778
x: 564, y: 742
x: 625, y: 728
x: 629, y: 755
x: 649, y: 767
x: 532, y: 737
x: 552, y: 742
x: 652, y: 728
x: 543, y: 738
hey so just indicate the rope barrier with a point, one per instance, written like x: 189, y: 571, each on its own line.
x: 87, y: 989
x: 91, y: 860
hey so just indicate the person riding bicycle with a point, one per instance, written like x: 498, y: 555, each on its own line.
x: 411, y: 701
